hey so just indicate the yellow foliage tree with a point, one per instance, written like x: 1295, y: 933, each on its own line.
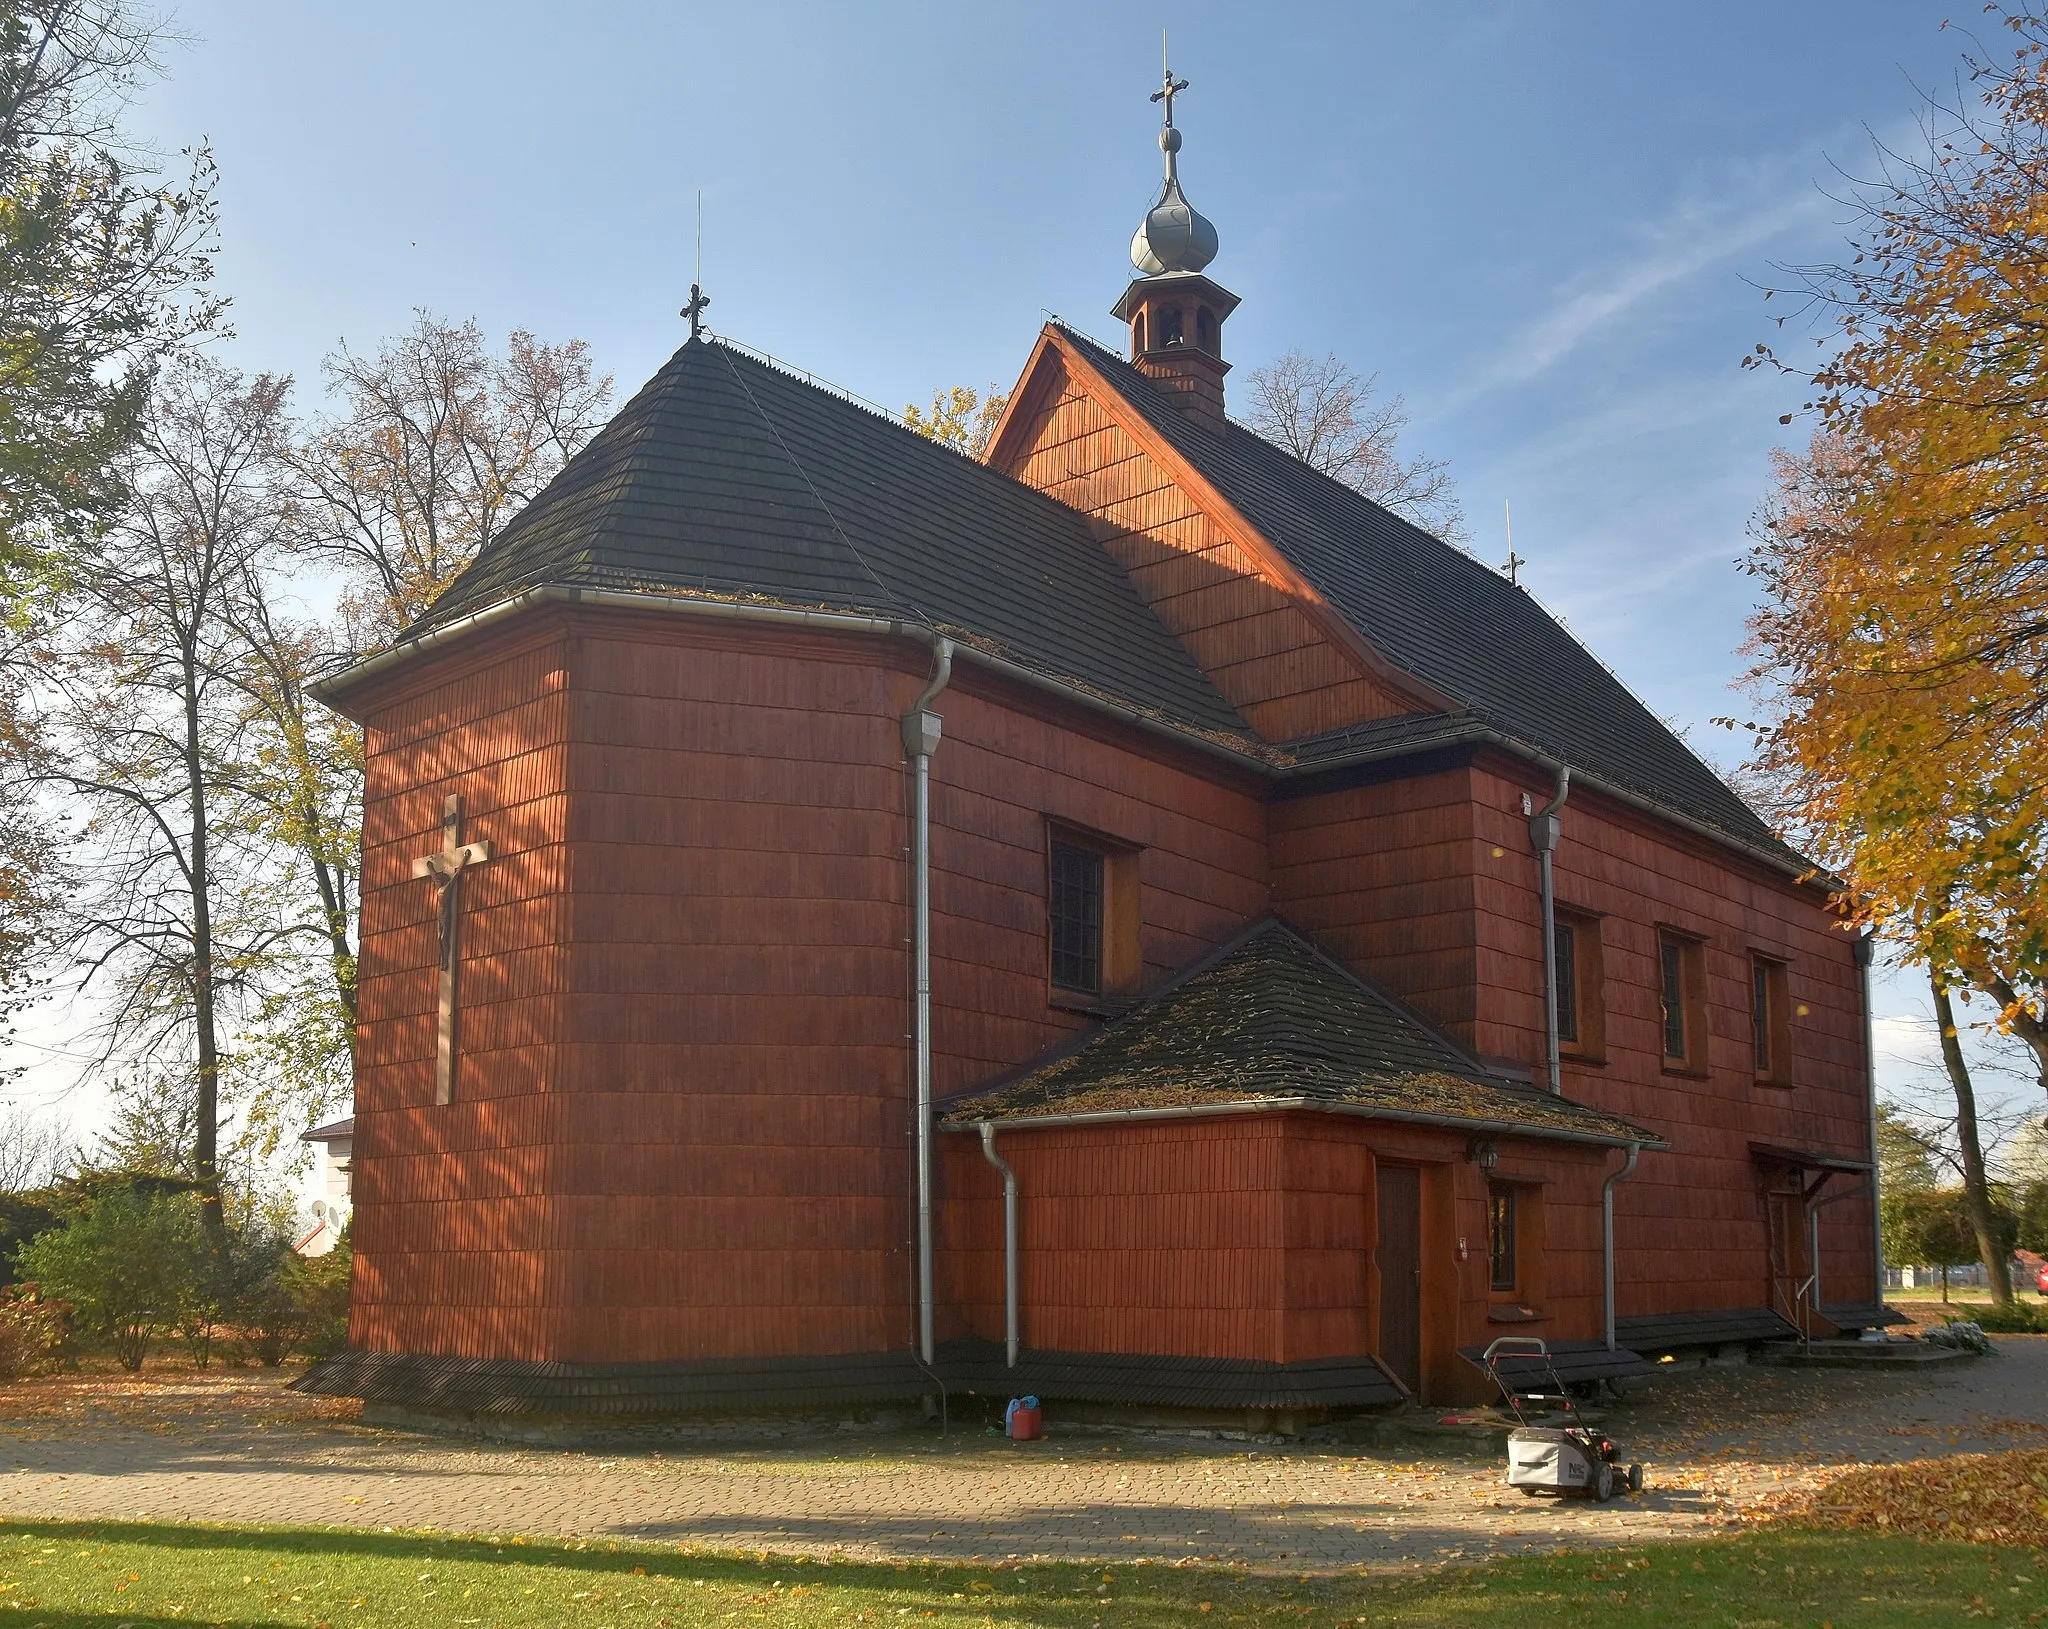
x: 960, y: 418
x: 1904, y: 642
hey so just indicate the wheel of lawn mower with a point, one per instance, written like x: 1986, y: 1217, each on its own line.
x: 1635, y: 1479
x: 1603, y: 1482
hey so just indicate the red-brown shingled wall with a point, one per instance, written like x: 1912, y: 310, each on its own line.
x: 451, y: 1207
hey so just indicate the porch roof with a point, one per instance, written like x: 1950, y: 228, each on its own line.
x: 1268, y: 1021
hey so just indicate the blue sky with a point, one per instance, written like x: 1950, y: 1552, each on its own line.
x: 1543, y: 225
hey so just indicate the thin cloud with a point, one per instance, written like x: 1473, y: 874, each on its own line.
x: 1692, y: 239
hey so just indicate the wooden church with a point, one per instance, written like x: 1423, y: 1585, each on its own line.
x: 1125, y: 918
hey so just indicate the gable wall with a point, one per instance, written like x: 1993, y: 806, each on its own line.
x: 451, y: 1206
x: 1245, y: 629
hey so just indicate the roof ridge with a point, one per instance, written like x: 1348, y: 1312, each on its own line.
x: 818, y: 497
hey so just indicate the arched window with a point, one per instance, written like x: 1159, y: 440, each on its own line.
x: 1171, y: 331
x: 1138, y: 334
x: 1205, y: 329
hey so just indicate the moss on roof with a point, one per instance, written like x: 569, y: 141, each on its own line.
x: 1266, y: 1018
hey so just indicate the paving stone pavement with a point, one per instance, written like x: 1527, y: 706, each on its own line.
x: 237, y: 1447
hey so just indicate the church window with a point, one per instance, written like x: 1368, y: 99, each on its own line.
x: 1567, y: 982
x: 1500, y: 1238
x: 1581, y: 1017
x: 1681, y: 966
x: 1770, y: 1020
x: 1172, y: 327
x: 1076, y: 918
x: 1094, y: 916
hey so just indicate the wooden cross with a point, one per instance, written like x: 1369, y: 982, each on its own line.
x: 446, y: 869
x: 1514, y: 566
x: 695, y: 309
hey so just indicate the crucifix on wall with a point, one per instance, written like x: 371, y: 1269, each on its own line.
x: 446, y: 869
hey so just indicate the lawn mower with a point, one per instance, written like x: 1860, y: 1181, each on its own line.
x: 1566, y: 1459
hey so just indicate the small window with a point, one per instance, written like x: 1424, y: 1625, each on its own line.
x: 1674, y: 999
x: 1770, y: 1019
x: 1076, y: 918
x: 1500, y: 1238
x: 1567, y: 939
x: 1682, y: 975
x: 1581, y: 980
x: 1094, y: 910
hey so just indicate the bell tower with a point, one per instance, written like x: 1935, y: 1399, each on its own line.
x: 1175, y: 313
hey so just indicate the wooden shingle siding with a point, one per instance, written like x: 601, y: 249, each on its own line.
x: 1244, y: 629
x: 1691, y: 1226
x: 1381, y: 875
x: 684, y: 995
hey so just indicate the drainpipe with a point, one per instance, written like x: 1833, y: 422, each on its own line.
x: 988, y: 1152
x: 1607, y: 1231
x: 920, y: 741
x: 1544, y: 827
x: 1866, y: 953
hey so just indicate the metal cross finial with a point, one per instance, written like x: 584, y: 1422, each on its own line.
x: 1168, y: 91
x: 695, y: 310
x: 1514, y: 565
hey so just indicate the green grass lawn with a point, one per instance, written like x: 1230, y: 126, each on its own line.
x: 146, y: 1575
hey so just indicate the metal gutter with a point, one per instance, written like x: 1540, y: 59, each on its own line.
x: 1544, y: 829
x: 1607, y: 1236
x: 328, y: 689
x: 1010, y: 1317
x: 1260, y: 1105
x: 921, y: 730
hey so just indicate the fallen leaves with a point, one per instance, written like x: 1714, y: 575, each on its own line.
x: 1981, y: 1498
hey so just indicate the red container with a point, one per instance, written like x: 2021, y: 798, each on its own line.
x: 1027, y: 1424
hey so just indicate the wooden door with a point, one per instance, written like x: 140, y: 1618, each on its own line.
x: 1789, y: 1267
x: 1400, y: 1263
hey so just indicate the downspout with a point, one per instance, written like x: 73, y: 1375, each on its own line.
x: 1866, y: 953
x: 920, y: 741
x: 1607, y: 1234
x: 1544, y: 827
x: 988, y: 1152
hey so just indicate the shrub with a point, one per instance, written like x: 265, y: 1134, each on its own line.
x: 126, y: 1263
x: 320, y: 1286
x: 35, y: 1333
x: 2020, y: 1318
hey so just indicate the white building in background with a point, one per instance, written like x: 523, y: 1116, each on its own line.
x: 332, y: 1209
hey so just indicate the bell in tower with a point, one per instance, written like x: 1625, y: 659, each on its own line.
x: 1176, y: 313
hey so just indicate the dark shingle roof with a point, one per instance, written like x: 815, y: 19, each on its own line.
x: 1269, y: 1016
x: 726, y: 477
x: 1440, y: 615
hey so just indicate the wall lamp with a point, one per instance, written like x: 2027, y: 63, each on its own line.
x: 1482, y: 1154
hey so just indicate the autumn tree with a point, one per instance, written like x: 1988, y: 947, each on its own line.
x: 1331, y: 419
x: 959, y: 418
x: 103, y: 269
x: 174, y: 911
x: 1903, y: 644
x: 436, y: 445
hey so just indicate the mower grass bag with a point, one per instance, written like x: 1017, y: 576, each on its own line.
x: 1553, y: 1461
